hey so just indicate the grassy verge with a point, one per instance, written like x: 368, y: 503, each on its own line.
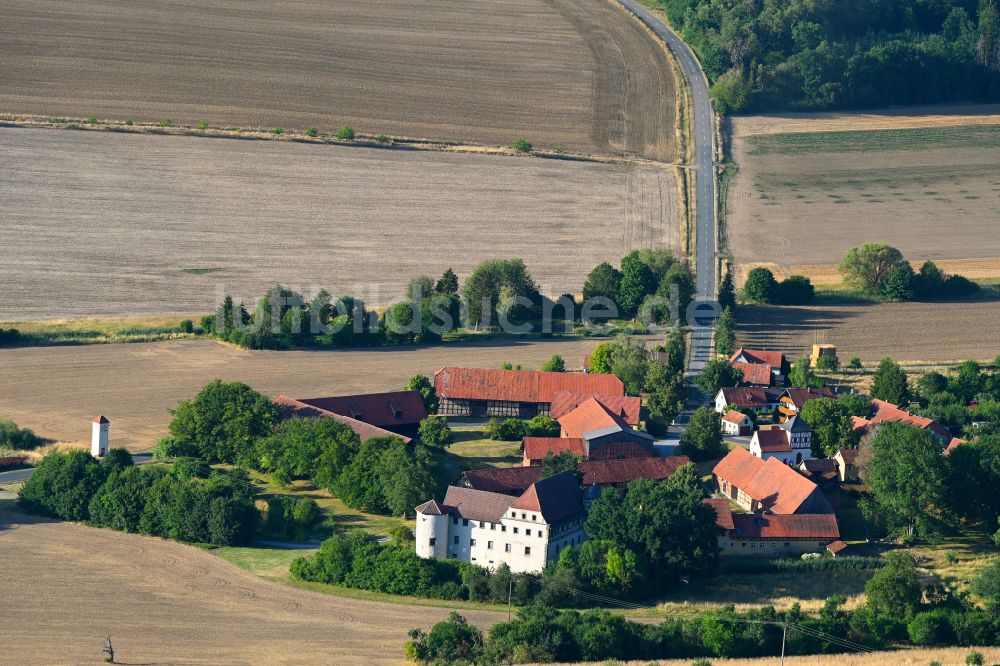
x: 100, y: 330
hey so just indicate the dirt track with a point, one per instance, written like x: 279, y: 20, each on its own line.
x: 107, y: 224
x: 580, y: 75
x: 56, y: 391
x: 63, y: 587
x: 913, y: 333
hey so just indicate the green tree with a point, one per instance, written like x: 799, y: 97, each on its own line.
x: 725, y: 333
x: 894, y: 590
x: 434, y: 431
x: 554, y: 463
x: 629, y: 362
x: 898, y: 285
x: 638, y: 281
x: 556, y: 363
x: 987, y: 586
x: 794, y: 290
x: 702, y: 439
x: 802, y: 376
x: 667, y: 392
x: 718, y: 373
x: 506, y: 430
x: 223, y: 421
x: 345, y: 133
x: 889, y: 383
x: 522, y: 146
x: 408, y: 477
x: 727, y: 292
x: 448, y: 283
x: 622, y: 567
x: 676, y: 349
x: 830, y: 421
x: 19, y: 439
x: 603, y: 282
x: 760, y: 286
x: 427, y: 392
x: 543, y: 425
x: 62, y: 485
x: 868, y: 267
x: 419, y: 288
x: 492, y: 289
x: 600, y: 359
x: 906, y: 477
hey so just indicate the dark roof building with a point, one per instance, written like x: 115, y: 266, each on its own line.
x: 291, y: 407
x: 395, y: 411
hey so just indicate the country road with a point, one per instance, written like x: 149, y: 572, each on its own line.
x: 703, y: 133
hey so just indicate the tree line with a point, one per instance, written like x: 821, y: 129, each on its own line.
x: 801, y: 55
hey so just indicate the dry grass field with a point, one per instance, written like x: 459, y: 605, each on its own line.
x: 56, y: 391
x: 811, y: 185
x: 944, y: 656
x: 913, y: 333
x: 64, y: 587
x: 110, y: 224
x: 580, y: 75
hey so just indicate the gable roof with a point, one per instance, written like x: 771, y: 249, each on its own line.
x: 734, y: 417
x: 380, y: 409
x: 506, y: 480
x: 430, y: 508
x: 772, y: 441
x: 819, y: 526
x: 955, y: 442
x: 751, y: 397
x: 816, y: 465
x: 477, y: 504
x: 774, y: 359
x: 778, y: 488
x: 557, y: 497
x: 590, y: 417
x: 836, y: 546
x: 884, y: 412
x: 520, y: 385
x: 291, y: 407
x: 848, y: 455
x: 627, y: 407
x: 723, y: 512
x: 757, y: 374
x: 536, y: 448
x: 608, y: 472
x: 799, y: 397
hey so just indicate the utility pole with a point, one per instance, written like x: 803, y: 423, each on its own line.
x: 784, y: 632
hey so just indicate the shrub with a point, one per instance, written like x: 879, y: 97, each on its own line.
x: 543, y: 425
x: 974, y: 658
x: 829, y: 363
x: 92, y: 120
x: 522, y: 146
x: 555, y: 364
x: 434, y: 431
x: 19, y: 439
x: 382, y: 138
x: 855, y: 363
x: 202, y: 125
x: 313, y: 132
x: 507, y: 430
x: 277, y: 130
x: 346, y: 133
x: 165, y: 122
x: 129, y: 122
x: 186, y: 326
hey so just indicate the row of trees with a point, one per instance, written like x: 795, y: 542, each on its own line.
x: 762, y: 287
x: 881, y: 270
x: 652, y: 282
x: 187, y: 502
x: 897, y: 610
x: 232, y: 423
x: 801, y: 55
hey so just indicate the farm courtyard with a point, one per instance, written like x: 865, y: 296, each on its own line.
x: 111, y: 224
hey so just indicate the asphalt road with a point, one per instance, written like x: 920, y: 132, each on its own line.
x: 22, y: 474
x: 704, y: 169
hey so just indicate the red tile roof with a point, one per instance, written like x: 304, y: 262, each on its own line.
x: 591, y: 415
x: 773, y: 441
x: 848, y: 455
x: 836, y: 546
x: 799, y: 397
x: 477, y: 504
x: 396, y: 408
x: 507, y: 480
x: 749, y: 397
x: 779, y: 488
x: 101, y: 419
x: 887, y: 412
x: 520, y: 385
x: 756, y: 374
x: 819, y: 526
x: 723, y: 512
x: 557, y: 497
x: 774, y: 359
x: 734, y: 417
x: 955, y: 442
x: 627, y: 407
x: 292, y: 407
x: 609, y: 472
x: 536, y: 448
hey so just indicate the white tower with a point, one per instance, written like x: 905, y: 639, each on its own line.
x: 99, y: 437
x: 432, y: 531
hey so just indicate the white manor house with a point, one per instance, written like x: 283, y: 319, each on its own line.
x: 489, y: 529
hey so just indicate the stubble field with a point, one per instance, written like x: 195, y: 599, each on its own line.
x: 580, y: 75
x: 111, y: 224
x: 912, y: 333
x: 64, y: 587
x: 57, y: 391
x: 811, y: 185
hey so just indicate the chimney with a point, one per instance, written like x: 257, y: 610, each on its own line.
x: 99, y: 437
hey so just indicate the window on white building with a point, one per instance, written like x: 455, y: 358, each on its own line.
x: 534, y: 517
x: 506, y: 548
x: 527, y: 550
x: 515, y: 530
x: 528, y: 531
x: 489, y: 545
x: 472, y: 542
x: 433, y: 541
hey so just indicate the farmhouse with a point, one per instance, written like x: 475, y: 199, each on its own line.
x: 291, y: 407
x: 526, y: 532
x: 791, y: 401
x: 605, y: 434
x: 627, y: 407
x: 886, y: 412
x: 846, y: 460
x: 484, y: 392
x: 399, y: 411
x: 755, y: 374
x: 770, y: 535
x: 755, y: 399
x: 736, y: 423
x: 771, y: 363
x: 789, y: 442
x: 767, y: 485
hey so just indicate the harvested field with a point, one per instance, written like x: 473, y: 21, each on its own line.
x: 811, y: 185
x: 912, y: 333
x: 164, y: 602
x: 56, y: 391
x: 110, y: 224
x: 920, y: 657
x: 581, y: 75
